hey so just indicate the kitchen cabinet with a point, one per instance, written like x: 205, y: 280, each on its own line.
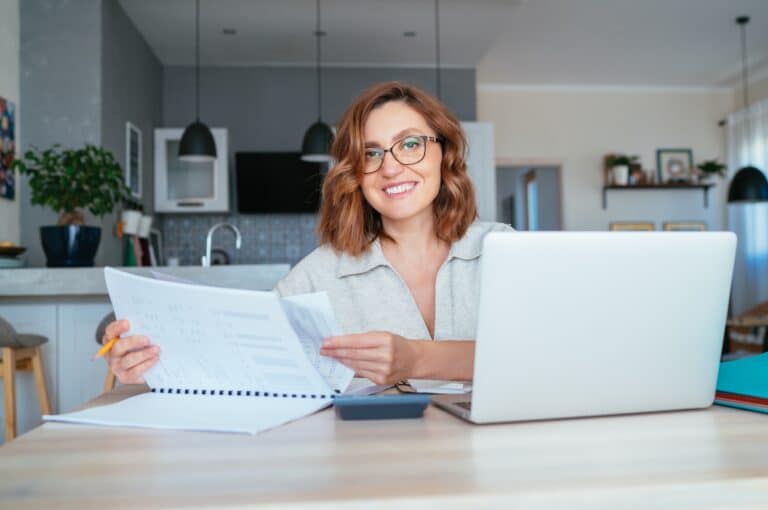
x: 183, y: 186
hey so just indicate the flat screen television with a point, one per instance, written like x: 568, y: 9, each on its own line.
x: 276, y: 182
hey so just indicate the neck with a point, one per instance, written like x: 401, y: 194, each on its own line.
x: 415, y: 236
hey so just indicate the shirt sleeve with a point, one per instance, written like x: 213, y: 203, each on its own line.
x: 297, y: 281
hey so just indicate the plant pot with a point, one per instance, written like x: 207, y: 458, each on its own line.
x: 621, y: 175
x: 70, y: 245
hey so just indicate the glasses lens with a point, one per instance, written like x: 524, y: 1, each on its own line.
x: 373, y: 158
x: 409, y: 150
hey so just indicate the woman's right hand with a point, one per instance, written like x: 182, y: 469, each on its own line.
x: 131, y: 356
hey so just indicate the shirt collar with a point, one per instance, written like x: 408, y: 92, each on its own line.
x: 468, y: 247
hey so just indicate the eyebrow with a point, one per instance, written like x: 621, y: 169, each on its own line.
x: 396, y: 136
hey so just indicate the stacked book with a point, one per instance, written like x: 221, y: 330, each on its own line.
x: 744, y: 384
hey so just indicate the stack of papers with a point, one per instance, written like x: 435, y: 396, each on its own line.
x: 744, y: 384
x: 231, y: 360
x: 440, y: 387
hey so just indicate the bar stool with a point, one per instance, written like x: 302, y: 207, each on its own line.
x: 109, y: 381
x: 20, y: 352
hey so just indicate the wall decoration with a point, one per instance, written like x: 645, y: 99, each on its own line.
x: 674, y: 165
x: 684, y: 225
x: 616, y: 226
x: 133, y: 159
x: 7, y: 149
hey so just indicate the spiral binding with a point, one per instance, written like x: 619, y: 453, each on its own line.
x: 243, y: 393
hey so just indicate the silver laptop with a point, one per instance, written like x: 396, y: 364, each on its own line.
x: 594, y: 323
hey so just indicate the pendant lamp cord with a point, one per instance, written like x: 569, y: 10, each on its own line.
x: 197, y: 60
x: 742, y: 21
x: 318, y: 35
x: 437, y: 47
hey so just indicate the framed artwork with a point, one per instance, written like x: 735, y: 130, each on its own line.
x: 695, y: 226
x: 133, y: 159
x: 617, y: 226
x: 674, y: 165
x: 7, y: 149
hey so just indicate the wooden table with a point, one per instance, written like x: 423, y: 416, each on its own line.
x: 714, y: 458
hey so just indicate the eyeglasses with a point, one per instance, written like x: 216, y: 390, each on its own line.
x: 406, y: 151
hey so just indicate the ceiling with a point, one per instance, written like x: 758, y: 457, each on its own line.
x: 666, y: 43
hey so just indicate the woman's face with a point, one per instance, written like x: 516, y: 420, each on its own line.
x: 401, y: 192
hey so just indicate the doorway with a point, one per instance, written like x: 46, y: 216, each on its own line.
x: 529, y: 197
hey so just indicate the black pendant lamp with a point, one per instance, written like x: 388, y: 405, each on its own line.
x: 197, y: 144
x: 749, y: 184
x: 316, y: 146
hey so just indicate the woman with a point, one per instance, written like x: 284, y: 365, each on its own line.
x: 399, y: 246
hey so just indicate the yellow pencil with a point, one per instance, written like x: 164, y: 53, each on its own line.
x: 106, y: 348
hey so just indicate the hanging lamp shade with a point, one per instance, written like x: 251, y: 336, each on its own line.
x: 748, y: 185
x: 197, y: 144
x: 316, y: 146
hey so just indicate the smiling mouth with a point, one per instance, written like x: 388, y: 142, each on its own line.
x: 399, y: 189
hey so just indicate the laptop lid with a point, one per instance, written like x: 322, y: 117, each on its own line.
x: 590, y: 323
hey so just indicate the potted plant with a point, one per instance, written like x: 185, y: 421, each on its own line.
x: 70, y: 181
x: 710, y: 168
x: 619, y: 166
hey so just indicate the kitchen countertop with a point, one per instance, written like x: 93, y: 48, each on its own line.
x: 89, y: 281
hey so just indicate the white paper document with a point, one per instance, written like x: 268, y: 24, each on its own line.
x: 230, y: 359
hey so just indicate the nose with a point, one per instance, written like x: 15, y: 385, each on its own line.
x: 390, y: 166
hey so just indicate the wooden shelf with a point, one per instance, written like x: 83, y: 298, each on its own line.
x: 704, y: 187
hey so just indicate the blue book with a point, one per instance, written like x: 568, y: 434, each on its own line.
x: 743, y: 383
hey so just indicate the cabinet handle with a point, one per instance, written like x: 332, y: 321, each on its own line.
x: 189, y: 204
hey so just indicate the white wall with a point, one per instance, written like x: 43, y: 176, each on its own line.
x: 577, y: 126
x: 9, y: 89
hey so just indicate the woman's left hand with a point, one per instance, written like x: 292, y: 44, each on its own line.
x: 382, y: 357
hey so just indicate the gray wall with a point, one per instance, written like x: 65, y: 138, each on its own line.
x: 268, y: 109
x: 60, y: 91
x: 510, y: 182
x: 85, y: 72
x: 131, y: 90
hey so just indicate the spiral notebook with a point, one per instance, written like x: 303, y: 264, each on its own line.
x: 231, y: 360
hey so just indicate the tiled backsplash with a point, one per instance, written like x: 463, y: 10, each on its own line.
x: 267, y: 238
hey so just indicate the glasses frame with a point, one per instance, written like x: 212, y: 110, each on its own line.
x: 426, y: 138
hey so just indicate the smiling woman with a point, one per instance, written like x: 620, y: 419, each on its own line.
x: 400, y: 245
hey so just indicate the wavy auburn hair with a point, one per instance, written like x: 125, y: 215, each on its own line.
x: 347, y: 222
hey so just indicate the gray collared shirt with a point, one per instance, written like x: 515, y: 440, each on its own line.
x: 367, y: 294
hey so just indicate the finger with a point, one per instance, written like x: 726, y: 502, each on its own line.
x: 115, y: 328
x: 138, y: 357
x: 357, y: 341
x: 136, y: 374
x: 129, y: 343
x: 366, y: 366
x: 359, y: 354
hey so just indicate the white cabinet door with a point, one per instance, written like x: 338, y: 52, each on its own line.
x: 182, y: 186
x: 481, y: 164
x: 80, y: 379
x: 39, y: 319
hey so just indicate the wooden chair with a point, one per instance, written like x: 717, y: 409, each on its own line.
x: 747, y: 332
x: 20, y: 352
x: 109, y: 381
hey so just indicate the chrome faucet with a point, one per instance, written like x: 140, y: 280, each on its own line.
x: 206, y: 259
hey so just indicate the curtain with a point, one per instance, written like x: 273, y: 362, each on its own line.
x: 748, y: 145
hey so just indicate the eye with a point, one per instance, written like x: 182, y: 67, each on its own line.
x: 372, y: 154
x: 411, y: 143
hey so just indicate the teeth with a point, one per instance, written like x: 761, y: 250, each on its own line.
x: 400, y: 188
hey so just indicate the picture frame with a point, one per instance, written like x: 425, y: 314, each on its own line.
x: 7, y: 149
x: 674, y: 166
x: 684, y: 226
x: 631, y: 226
x: 133, y: 158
